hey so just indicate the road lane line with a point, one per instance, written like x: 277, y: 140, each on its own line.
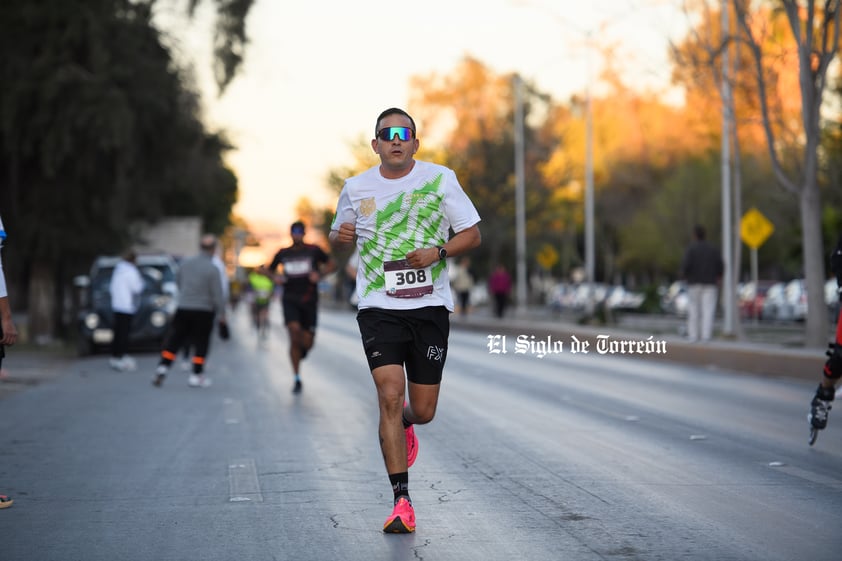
x: 809, y: 475
x: 243, y: 485
x: 232, y: 410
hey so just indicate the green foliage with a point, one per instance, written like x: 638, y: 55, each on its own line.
x: 98, y: 129
x: 229, y: 38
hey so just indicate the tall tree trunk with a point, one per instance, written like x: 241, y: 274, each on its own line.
x: 816, y: 333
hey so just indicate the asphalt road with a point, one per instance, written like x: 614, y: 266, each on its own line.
x: 569, y: 456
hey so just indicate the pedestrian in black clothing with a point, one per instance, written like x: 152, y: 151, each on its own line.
x: 701, y: 268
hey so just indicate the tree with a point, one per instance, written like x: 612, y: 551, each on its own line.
x: 816, y: 34
x: 229, y: 38
x: 97, y: 130
x: 481, y: 151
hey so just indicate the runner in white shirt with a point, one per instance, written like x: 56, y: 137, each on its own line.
x: 400, y: 214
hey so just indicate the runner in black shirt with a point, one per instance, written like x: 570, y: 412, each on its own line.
x: 303, y: 265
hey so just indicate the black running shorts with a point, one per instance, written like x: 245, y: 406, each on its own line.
x: 304, y: 313
x: 416, y: 339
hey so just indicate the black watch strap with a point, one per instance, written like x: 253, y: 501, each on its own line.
x: 442, y: 252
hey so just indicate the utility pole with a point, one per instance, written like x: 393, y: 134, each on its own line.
x: 727, y: 242
x: 589, y: 194
x: 520, y: 204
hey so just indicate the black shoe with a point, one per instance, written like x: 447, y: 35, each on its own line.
x: 297, y: 387
x: 819, y: 409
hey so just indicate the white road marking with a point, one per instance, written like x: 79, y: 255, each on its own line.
x: 243, y: 485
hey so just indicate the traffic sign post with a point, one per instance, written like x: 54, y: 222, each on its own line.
x: 755, y: 229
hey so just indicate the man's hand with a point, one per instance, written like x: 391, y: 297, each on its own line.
x: 423, y: 257
x: 346, y: 233
x: 10, y: 332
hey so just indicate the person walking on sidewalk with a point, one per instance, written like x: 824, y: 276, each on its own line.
x: 400, y: 213
x: 701, y: 268
x: 500, y: 286
x: 302, y: 265
x: 8, y: 331
x: 832, y: 371
x: 200, y: 300
x: 126, y: 287
x: 463, y: 283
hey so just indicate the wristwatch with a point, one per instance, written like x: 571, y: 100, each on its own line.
x: 442, y: 252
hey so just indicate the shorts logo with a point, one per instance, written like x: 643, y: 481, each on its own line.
x: 368, y: 206
x: 435, y: 353
x: 375, y: 354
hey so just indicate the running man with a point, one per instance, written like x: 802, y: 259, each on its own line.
x: 400, y: 214
x: 260, y: 291
x: 302, y: 267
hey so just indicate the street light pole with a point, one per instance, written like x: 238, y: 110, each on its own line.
x: 520, y: 205
x: 589, y: 191
x: 727, y: 242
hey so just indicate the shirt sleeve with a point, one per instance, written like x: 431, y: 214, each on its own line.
x: 344, y: 209
x: 460, y: 211
x: 276, y: 261
x: 3, y: 291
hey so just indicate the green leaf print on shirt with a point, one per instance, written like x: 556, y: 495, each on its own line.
x: 412, y: 220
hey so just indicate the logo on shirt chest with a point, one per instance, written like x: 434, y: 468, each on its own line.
x: 368, y: 206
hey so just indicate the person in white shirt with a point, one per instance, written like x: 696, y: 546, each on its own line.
x: 400, y: 215
x: 126, y: 288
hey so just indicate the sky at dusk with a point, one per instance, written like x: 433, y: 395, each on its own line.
x: 318, y: 73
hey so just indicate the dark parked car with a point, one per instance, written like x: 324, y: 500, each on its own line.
x: 152, y: 320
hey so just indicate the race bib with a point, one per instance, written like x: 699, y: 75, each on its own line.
x: 404, y: 281
x: 297, y: 267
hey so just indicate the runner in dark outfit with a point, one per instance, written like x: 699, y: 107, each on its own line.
x: 302, y: 267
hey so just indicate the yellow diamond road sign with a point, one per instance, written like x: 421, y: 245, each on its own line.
x: 755, y: 228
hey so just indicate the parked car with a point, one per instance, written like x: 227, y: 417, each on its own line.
x: 774, y: 305
x: 560, y: 297
x: 751, y: 297
x: 621, y: 298
x: 152, y: 320
x: 674, y: 301
x: 796, y: 299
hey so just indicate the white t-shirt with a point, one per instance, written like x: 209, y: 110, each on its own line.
x: 396, y: 216
x: 126, y: 286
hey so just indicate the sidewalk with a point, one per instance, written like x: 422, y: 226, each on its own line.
x: 768, y: 350
x: 27, y: 365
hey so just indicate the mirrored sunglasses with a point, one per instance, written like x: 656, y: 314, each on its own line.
x: 389, y: 133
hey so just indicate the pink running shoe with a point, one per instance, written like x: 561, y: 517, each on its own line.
x: 411, y: 445
x: 402, y: 520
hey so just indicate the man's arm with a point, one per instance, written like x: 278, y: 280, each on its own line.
x: 461, y: 242
x: 10, y: 332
